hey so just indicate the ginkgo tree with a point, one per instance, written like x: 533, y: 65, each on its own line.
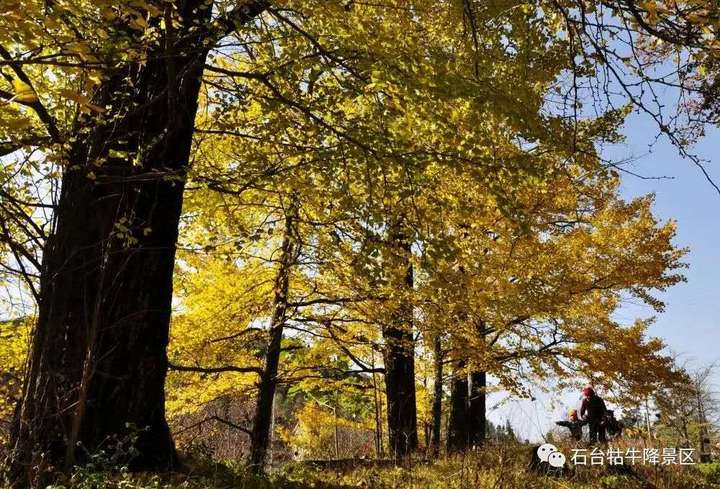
x: 357, y: 237
x: 347, y: 114
x: 108, y: 92
x: 524, y: 299
x: 535, y: 299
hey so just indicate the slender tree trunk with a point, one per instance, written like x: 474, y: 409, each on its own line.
x: 647, y: 421
x: 378, y: 411
x: 97, y: 364
x: 336, y: 428
x: 399, y: 360
x: 704, y: 437
x: 458, y: 429
x: 268, y: 378
x: 438, y: 359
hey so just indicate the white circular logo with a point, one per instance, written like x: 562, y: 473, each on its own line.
x: 556, y: 459
x: 545, y: 450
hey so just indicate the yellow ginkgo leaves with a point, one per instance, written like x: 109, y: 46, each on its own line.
x: 82, y: 101
x: 24, y: 93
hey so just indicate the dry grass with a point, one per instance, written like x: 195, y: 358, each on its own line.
x: 495, y: 467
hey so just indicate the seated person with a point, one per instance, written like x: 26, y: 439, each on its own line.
x: 574, y: 424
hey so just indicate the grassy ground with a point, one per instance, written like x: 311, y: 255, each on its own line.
x: 494, y: 468
x: 505, y: 468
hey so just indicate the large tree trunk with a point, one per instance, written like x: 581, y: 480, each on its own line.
x: 261, y: 431
x: 466, y: 428
x: 476, y: 409
x: 97, y: 364
x: 399, y: 358
x: 438, y: 359
x: 400, y: 391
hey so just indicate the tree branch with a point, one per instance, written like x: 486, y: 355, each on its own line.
x: 214, y: 370
x: 37, y: 106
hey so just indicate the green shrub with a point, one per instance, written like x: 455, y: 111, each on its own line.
x: 615, y: 482
x: 710, y: 471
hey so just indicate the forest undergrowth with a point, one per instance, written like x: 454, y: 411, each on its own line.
x: 502, y: 466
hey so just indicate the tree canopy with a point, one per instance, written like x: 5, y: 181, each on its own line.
x: 327, y: 193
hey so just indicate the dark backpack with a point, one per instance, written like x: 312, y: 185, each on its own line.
x: 613, y: 427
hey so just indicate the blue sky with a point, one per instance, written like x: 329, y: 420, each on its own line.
x: 689, y: 325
